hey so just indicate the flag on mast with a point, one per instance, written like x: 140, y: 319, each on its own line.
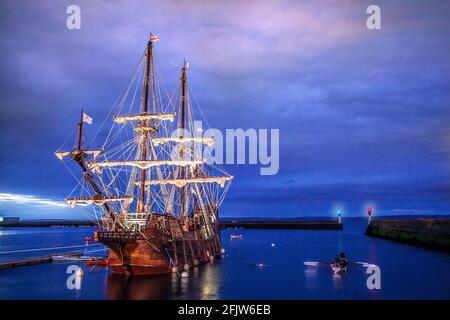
x: 87, y: 119
x: 154, y: 38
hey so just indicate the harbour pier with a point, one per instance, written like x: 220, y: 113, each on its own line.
x: 47, y: 223
x: 431, y: 233
x: 35, y: 260
x: 331, y: 224
x: 301, y: 223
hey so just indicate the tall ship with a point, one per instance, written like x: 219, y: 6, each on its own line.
x: 153, y: 189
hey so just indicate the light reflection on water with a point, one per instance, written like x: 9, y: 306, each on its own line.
x: 201, y: 284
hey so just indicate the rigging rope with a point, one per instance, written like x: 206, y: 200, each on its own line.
x: 47, y: 249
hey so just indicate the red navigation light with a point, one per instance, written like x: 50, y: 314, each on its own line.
x: 369, y: 211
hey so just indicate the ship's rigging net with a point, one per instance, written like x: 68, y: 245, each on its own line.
x: 142, y: 150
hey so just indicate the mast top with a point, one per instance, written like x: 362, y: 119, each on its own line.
x: 186, y: 65
x: 153, y: 38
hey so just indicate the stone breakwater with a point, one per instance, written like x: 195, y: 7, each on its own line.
x: 431, y: 233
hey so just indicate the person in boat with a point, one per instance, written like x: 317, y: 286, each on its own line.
x: 336, y: 259
x: 342, y: 260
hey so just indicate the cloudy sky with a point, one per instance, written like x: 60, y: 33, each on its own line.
x: 363, y: 114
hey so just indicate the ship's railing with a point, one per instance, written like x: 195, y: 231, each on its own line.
x: 140, y: 216
x: 118, y: 236
x: 135, y: 222
x: 136, y: 219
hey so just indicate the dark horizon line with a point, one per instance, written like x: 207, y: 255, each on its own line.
x: 446, y: 215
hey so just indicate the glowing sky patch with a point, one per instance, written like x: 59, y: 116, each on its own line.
x: 29, y: 200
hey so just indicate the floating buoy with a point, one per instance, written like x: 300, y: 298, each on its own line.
x: 196, y: 262
x: 186, y: 267
x: 211, y: 258
x: 222, y: 251
x: 261, y: 265
x: 174, y: 269
x: 185, y: 274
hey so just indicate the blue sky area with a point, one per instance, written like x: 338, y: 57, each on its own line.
x: 363, y: 114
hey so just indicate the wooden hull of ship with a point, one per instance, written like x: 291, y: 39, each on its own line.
x: 157, y: 254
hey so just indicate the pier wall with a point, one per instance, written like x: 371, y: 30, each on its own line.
x: 283, y: 224
x: 48, y: 223
x: 431, y: 233
x: 329, y: 224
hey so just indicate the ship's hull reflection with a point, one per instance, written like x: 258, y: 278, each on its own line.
x: 202, y: 283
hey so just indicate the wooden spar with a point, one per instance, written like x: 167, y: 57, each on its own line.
x: 153, y: 82
x: 183, y: 96
x: 141, y: 203
x: 183, y: 116
x: 80, y: 131
x: 78, y: 157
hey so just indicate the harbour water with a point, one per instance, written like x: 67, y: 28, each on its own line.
x: 406, y: 272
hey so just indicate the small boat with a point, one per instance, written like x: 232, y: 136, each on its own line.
x: 63, y: 258
x: 236, y: 236
x: 340, y: 264
x: 98, y: 262
x: 87, y: 240
x: 338, y: 268
x: 315, y: 263
x: 261, y: 265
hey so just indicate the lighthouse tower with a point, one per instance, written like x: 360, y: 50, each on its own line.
x: 369, y: 213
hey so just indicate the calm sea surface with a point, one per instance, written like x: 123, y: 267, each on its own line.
x: 407, y: 272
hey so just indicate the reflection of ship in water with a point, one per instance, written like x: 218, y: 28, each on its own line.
x: 202, y: 283
x: 138, y: 288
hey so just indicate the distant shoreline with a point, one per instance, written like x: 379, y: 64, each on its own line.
x: 227, y: 221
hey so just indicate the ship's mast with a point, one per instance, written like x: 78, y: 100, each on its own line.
x: 141, y: 200
x: 79, y: 156
x: 182, y: 125
x: 80, y: 131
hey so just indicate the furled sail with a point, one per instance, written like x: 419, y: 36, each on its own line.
x: 62, y: 154
x: 145, y: 116
x: 141, y: 164
x: 206, y: 141
x: 180, y: 182
x: 145, y: 129
x: 98, y: 200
